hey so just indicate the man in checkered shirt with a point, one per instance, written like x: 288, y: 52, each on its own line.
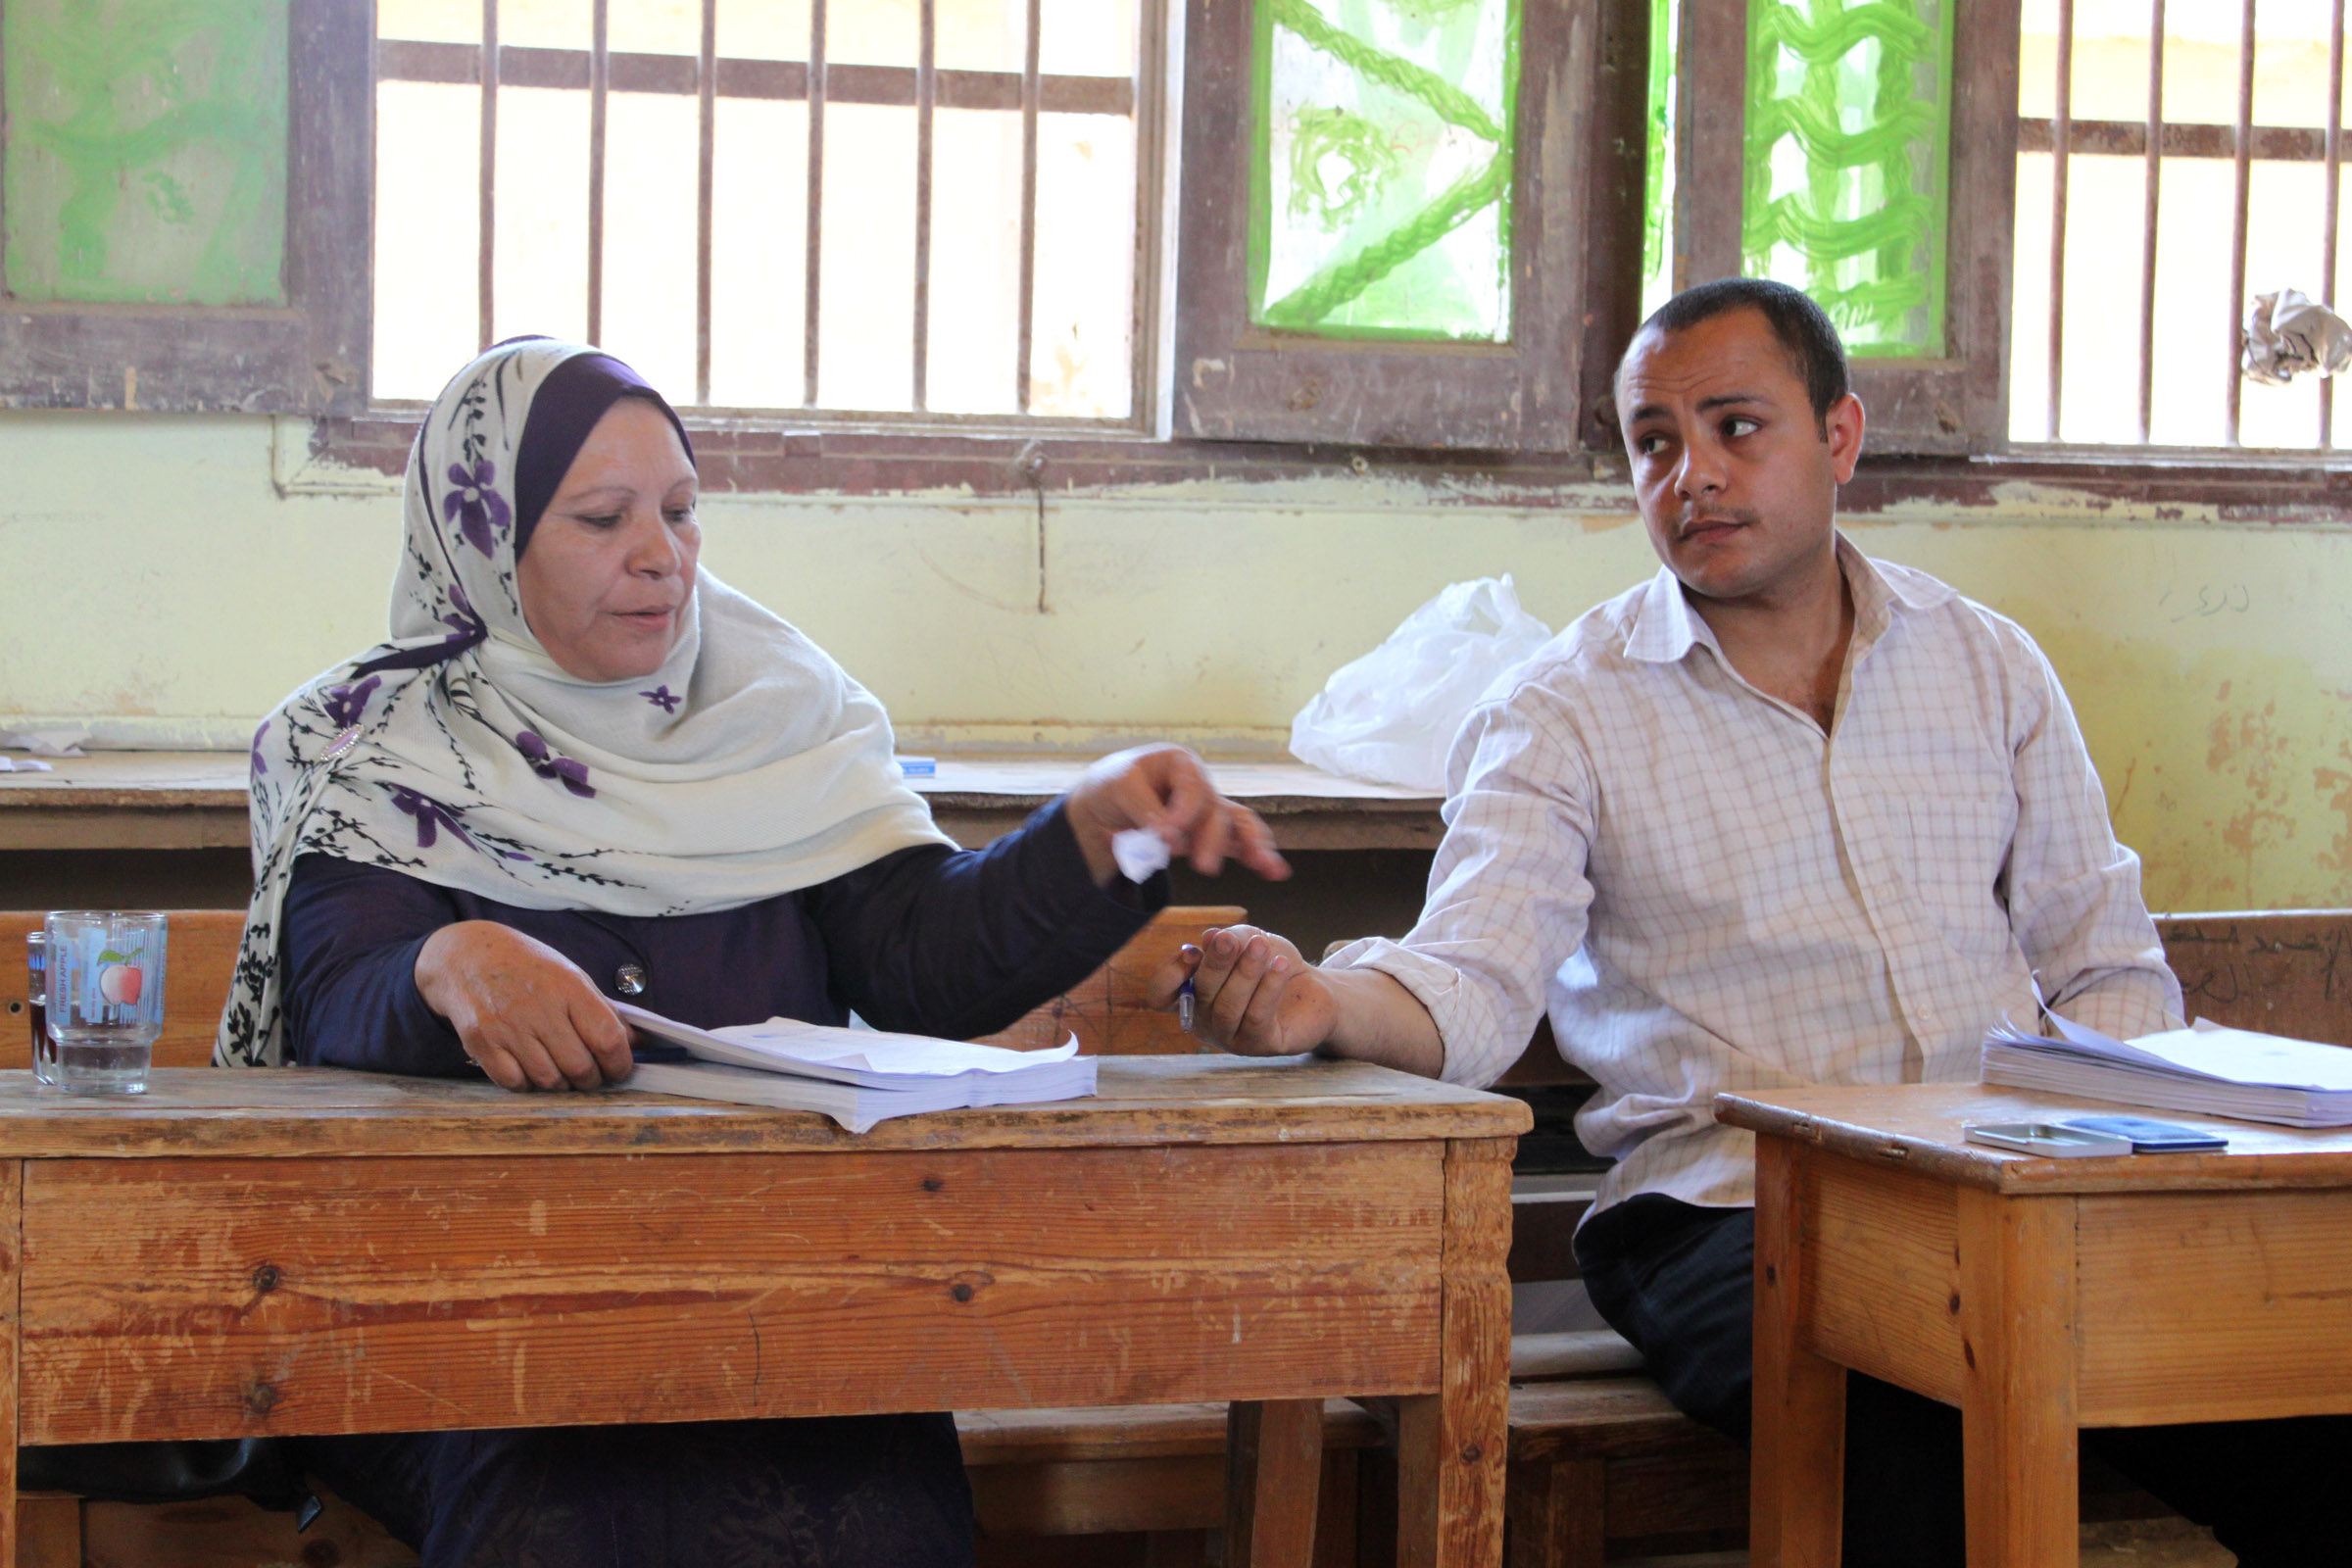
x: 1784, y: 814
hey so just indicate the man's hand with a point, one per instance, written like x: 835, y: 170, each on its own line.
x: 523, y: 1012
x: 1166, y: 790
x: 1253, y: 994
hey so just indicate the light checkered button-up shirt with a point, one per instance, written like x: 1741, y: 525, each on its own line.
x: 1708, y: 894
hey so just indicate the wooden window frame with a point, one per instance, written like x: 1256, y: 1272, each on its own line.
x: 815, y: 85
x: 306, y: 357
x: 1957, y: 404
x: 1576, y: 194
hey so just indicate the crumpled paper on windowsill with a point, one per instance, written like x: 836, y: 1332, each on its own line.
x: 2289, y: 333
x: 46, y: 742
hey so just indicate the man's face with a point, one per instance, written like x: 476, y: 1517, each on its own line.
x: 1737, y: 483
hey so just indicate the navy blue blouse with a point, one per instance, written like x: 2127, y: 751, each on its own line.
x: 929, y: 940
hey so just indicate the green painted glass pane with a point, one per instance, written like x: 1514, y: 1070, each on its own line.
x: 146, y: 154
x: 1848, y: 148
x: 1657, y: 184
x: 1381, y: 186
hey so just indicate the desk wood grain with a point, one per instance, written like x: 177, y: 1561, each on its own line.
x: 661, y: 1287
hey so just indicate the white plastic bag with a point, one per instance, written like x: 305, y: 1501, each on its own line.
x: 1392, y: 715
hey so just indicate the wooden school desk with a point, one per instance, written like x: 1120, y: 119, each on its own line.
x: 249, y: 1253
x: 2038, y: 1295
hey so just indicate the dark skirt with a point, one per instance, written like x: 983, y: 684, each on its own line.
x: 877, y: 1492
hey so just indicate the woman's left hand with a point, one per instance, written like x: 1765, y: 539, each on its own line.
x: 1165, y: 789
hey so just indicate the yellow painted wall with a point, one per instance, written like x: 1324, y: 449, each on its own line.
x: 170, y: 579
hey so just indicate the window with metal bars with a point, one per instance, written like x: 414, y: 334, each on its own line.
x: 2174, y: 159
x: 937, y: 210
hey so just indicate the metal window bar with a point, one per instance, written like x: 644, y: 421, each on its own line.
x: 2328, y: 230
x: 2128, y: 138
x: 816, y: 201
x: 2242, y: 195
x: 926, y: 92
x: 601, y: 70
x: 1031, y: 96
x: 2242, y: 141
x: 599, y: 87
x: 2061, y: 137
x: 781, y: 80
x: 486, y: 280
x: 706, y: 142
x: 2147, y: 249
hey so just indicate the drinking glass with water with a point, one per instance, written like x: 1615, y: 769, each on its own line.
x: 106, y: 998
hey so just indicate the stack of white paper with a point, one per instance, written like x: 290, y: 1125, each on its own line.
x: 856, y: 1076
x: 2206, y: 1068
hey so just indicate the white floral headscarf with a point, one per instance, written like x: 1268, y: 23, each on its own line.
x: 460, y: 753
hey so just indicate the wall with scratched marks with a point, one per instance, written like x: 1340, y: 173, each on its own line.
x: 170, y: 579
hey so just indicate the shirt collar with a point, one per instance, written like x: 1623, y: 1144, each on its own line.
x: 1666, y: 627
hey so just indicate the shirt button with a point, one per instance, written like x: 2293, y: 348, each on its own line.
x: 630, y: 980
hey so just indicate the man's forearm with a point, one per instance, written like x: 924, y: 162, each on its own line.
x: 1378, y: 1020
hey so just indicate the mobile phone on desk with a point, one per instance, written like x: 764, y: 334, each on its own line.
x: 2050, y: 1140
x: 2148, y: 1136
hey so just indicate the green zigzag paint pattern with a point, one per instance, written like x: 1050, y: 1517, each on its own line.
x: 1345, y: 276
x: 1849, y: 131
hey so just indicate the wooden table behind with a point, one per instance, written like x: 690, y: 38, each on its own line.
x: 196, y: 799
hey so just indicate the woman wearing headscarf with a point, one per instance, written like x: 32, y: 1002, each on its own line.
x: 584, y: 768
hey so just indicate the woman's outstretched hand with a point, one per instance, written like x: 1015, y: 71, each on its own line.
x: 523, y: 1012
x: 1166, y: 790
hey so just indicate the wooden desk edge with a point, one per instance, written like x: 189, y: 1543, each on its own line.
x: 2000, y: 1171
x: 368, y: 1115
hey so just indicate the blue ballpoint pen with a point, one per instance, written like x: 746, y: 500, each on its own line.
x: 1185, y: 997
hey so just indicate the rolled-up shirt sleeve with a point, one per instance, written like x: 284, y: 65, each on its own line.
x: 2072, y: 890
x: 1507, y: 893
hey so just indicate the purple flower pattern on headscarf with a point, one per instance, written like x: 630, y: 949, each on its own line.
x: 475, y: 505
x: 259, y: 765
x: 345, y: 704
x: 431, y: 816
x: 464, y: 627
x: 664, y: 698
x: 548, y: 764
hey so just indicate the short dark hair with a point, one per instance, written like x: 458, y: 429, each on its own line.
x: 1803, y: 328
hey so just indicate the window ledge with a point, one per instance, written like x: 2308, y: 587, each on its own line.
x: 365, y: 456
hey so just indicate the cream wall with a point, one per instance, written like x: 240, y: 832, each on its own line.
x: 170, y: 579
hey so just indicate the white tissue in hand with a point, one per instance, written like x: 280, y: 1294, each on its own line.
x: 1138, y: 852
